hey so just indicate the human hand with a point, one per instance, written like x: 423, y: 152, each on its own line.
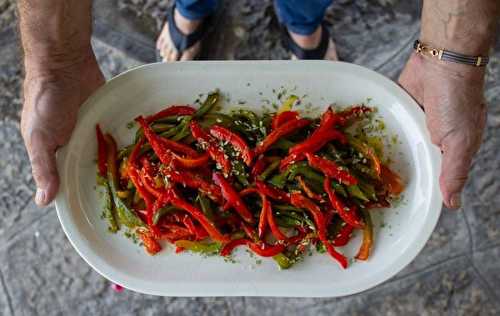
x: 452, y: 97
x: 52, y: 96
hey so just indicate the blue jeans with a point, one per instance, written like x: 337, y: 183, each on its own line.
x: 299, y: 16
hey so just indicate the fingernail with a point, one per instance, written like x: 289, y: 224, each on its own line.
x: 40, y: 197
x: 455, y: 200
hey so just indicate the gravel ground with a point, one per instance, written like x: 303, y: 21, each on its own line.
x: 457, y: 273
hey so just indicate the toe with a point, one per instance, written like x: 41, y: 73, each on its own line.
x: 331, y: 52
x: 191, y: 53
x: 173, y: 55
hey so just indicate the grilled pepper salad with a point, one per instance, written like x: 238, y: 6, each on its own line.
x: 276, y: 183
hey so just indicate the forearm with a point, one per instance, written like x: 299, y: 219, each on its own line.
x: 55, y: 34
x: 463, y: 26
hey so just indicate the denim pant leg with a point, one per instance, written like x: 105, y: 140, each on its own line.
x: 301, y: 16
x: 196, y: 9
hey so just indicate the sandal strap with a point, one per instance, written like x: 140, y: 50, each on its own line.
x: 183, y: 42
x: 315, y: 53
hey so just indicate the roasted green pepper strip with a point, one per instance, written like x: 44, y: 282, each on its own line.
x: 279, y: 180
x: 125, y: 215
x: 367, y: 189
x: 288, y: 104
x: 184, y: 130
x: 272, y: 167
x: 200, y: 247
x: 286, y: 207
x: 283, y: 261
x: 287, y: 221
x: 240, y: 173
x: 163, y: 211
x: 108, y: 210
x: 283, y: 144
x: 216, y: 118
x: 206, y: 207
x: 157, y: 128
x: 303, y: 169
x: 355, y: 191
x: 339, y: 188
x: 208, y: 104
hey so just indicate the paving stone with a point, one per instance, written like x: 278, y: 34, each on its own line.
x: 450, y: 239
x: 111, y: 60
x: 486, y: 263
x: 8, y: 14
x: 10, y: 77
x: 56, y: 281
x: 452, y: 288
x: 394, y: 65
x: 16, y: 182
x: 481, y: 199
x: 5, y: 303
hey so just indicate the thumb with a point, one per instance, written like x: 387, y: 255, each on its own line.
x: 43, y: 163
x: 455, y: 166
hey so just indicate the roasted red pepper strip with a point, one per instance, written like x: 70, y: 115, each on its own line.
x: 270, y: 219
x: 134, y: 154
x: 174, y: 110
x: 283, y: 117
x: 210, y: 144
x: 229, y: 247
x: 265, y: 250
x: 272, y: 192
x: 249, y: 231
x: 298, y: 200
x: 134, y: 174
x: 317, y: 140
x: 248, y: 191
x: 238, y: 143
x: 178, y: 147
x: 369, y: 153
x: 150, y: 244
x: 321, y: 136
x: 348, y: 214
x: 307, y: 190
x: 190, y: 226
x: 191, y: 163
x: 290, y: 160
x: 367, y: 244
x: 262, y: 249
x: 163, y: 153
x: 356, y: 111
x: 198, y: 215
x: 232, y: 197
x: 259, y: 167
x: 381, y: 203
x: 343, y: 236
x: 331, y: 169
x: 284, y: 130
x: 194, y: 181
x: 261, y: 228
x: 391, y: 180
x: 147, y: 181
x: 101, y: 151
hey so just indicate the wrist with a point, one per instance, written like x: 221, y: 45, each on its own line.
x: 450, y: 69
x: 45, y: 63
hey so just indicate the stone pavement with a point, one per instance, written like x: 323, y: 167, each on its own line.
x: 40, y: 274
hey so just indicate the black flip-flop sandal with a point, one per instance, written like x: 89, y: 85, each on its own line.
x: 183, y: 42
x: 302, y: 53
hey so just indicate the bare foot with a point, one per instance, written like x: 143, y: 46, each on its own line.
x: 167, y: 48
x: 312, y: 41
